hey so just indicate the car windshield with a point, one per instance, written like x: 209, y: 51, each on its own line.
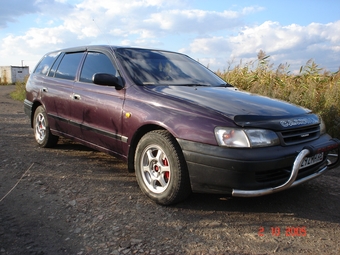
x: 152, y: 67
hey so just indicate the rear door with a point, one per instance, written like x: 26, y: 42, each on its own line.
x: 58, y: 93
x: 99, y: 108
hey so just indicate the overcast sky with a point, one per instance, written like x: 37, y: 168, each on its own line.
x: 216, y: 33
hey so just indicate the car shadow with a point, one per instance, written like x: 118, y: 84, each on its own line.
x: 66, y: 144
x: 312, y: 200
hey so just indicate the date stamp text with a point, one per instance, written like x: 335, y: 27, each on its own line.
x: 286, y: 231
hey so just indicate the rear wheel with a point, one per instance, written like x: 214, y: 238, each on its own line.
x: 42, y: 132
x: 161, y: 169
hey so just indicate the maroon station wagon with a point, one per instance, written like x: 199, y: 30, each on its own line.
x: 179, y: 126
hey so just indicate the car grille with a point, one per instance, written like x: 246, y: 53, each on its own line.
x: 300, y: 135
x: 280, y: 176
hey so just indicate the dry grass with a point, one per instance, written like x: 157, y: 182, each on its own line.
x: 312, y: 87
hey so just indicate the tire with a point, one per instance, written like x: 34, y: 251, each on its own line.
x: 160, y: 167
x: 42, y: 132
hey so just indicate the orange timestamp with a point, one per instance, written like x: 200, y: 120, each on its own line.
x: 286, y: 231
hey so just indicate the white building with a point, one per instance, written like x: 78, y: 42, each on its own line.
x: 13, y: 74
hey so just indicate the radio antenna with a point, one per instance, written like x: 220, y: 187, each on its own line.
x: 99, y: 29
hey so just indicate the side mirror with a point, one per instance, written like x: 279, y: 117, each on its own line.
x: 107, y: 80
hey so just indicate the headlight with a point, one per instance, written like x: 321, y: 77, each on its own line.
x: 245, y: 138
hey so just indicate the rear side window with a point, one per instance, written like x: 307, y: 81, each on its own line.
x: 46, y: 63
x: 69, y: 65
x: 54, y: 67
x: 96, y: 63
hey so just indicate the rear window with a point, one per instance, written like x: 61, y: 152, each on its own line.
x: 46, y: 62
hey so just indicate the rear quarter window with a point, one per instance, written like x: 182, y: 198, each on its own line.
x: 45, y: 63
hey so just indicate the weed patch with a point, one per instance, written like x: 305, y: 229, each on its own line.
x: 312, y: 88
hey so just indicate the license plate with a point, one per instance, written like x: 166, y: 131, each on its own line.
x: 312, y: 160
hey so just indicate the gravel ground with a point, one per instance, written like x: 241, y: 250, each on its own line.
x: 73, y: 200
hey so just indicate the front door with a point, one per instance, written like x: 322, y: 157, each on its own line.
x: 99, y: 108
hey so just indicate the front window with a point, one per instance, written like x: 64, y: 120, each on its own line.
x: 96, y: 63
x: 152, y: 67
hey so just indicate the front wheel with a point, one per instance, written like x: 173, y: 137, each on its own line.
x: 42, y: 132
x: 161, y: 170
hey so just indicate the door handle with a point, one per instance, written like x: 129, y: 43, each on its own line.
x: 76, y: 97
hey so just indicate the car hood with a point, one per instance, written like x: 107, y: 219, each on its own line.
x: 245, y: 109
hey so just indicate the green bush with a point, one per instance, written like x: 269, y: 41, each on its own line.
x: 19, y: 93
x: 313, y: 87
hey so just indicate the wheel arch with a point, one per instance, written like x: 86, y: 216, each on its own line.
x: 35, y: 105
x: 136, y: 138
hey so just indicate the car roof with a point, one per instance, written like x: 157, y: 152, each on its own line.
x: 87, y: 47
x: 107, y: 48
x: 101, y: 47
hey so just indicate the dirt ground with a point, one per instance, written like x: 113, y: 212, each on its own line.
x: 73, y: 200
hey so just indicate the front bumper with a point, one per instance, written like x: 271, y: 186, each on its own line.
x: 254, y: 172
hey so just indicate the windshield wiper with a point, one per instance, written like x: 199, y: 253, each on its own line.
x: 206, y: 85
x: 225, y: 85
x: 194, y: 85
